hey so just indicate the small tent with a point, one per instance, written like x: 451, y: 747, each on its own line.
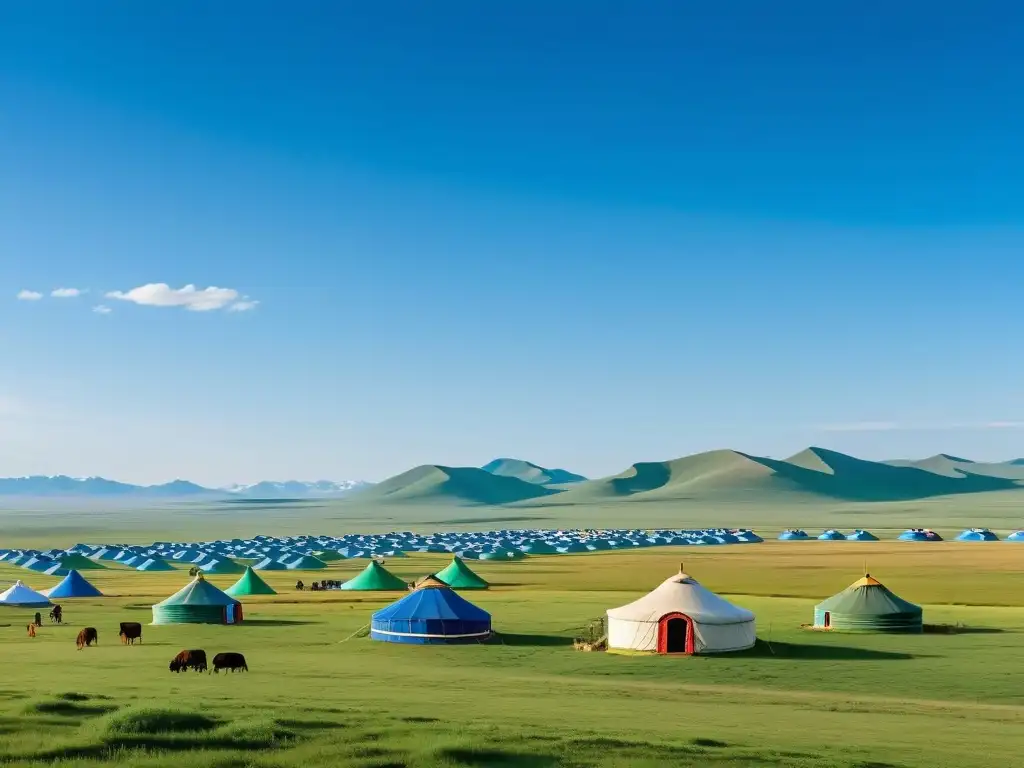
x: 867, y: 605
x: 269, y: 564
x: 199, y: 602
x: 919, y: 534
x: 250, y: 584
x: 155, y: 565
x: 75, y: 561
x: 19, y: 595
x: 832, y: 535
x: 793, y: 535
x: 220, y: 566
x: 432, y: 614
x: 375, y: 577
x: 1016, y: 536
x: 458, y: 575
x: 861, y: 535
x: 977, y: 534
x: 307, y: 563
x: 73, y: 585
x: 680, y: 616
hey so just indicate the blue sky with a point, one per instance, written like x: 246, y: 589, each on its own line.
x: 582, y: 234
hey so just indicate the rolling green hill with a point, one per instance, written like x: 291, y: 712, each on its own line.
x: 723, y: 476
x: 455, y: 485
x: 532, y: 473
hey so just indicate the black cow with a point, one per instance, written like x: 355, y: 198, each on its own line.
x: 130, y: 632
x: 187, y: 660
x: 231, y: 661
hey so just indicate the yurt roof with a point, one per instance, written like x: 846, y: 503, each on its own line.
x: 432, y: 603
x: 682, y: 594
x: 867, y: 596
x: 21, y: 594
x: 198, y: 592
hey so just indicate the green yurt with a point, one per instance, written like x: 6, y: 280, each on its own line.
x: 249, y: 584
x: 198, y: 603
x: 459, y: 576
x: 868, y: 606
x: 73, y: 561
x: 375, y: 577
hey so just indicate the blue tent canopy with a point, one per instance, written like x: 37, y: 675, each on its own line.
x: 74, y: 585
x: 432, y: 614
x: 977, y: 534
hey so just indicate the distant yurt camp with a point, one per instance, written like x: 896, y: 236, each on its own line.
x: 198, y: 603
x: 249, y: 584
x: 375, y: 577
x: 73, y: 585
x: 680, y: 616
x: 867, y: 605
x: 432, y: 614
x: 458, y: 575
x: 18, y: 595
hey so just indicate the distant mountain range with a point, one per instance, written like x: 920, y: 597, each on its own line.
x: 62, y: 485
x: 722, y: 476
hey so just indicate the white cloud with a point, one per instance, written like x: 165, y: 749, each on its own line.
x: 189, y: 297
x: 102, y: 309
x: 243, y: 306
x: 29, y: 295
x: 66, y: 293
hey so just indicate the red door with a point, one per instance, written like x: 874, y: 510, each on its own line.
x: 675, y: 633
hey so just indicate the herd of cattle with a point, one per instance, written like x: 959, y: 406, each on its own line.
x: 131, y: 631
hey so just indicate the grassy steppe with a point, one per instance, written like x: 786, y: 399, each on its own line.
x: 802, y: 699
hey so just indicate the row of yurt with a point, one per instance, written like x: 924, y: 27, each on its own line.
x: 795, y: 534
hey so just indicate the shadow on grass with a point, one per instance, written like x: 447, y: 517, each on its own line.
x: 811, y: 652
x: 277, y: 622
x: 535, y: 641
x: 496, y: 758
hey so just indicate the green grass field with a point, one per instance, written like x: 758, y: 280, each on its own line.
x: 800, y: 698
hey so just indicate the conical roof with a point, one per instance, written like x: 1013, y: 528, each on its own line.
x: 79, y: 562
x: 250, y: 584
x: 74, y: 585
x: 270, y: 564
x: 868, y: 605
x: 375, y: 577
x: 18, y: 594
x: 458, y: 575
x: 682, y: 594
x: 198, y: 592
x: 154, y: 564
x: 220, y: 566
x: 307, y: 563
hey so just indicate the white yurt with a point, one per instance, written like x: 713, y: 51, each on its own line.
x: 680, y: 616
x: 21, y: 596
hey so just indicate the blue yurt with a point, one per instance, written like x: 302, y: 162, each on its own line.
x: 431, y: 614
x: 832, y: 535
x: 862, y: 535
x: 1016, y: 536
x: 919, y: 534
x: 793, y: 535
x: 73, y: 585
x: 977, y: 534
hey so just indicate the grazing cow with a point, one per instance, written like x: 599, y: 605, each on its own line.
x: 31, y: 630
x: 130, y: 632
x: 187, y: 660
x: 38, y: 620
x: 232, y: 661
x: 299, y: 585
x: 87, y: 636
x: 57, y: 615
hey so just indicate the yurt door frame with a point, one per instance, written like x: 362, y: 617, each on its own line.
x: 663, y: 624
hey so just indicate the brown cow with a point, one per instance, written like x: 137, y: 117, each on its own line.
x: 31, y: 630
x: 87, y: 636
x: 187, y: 660
x: 130, y: 632
x: 231, y: 661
